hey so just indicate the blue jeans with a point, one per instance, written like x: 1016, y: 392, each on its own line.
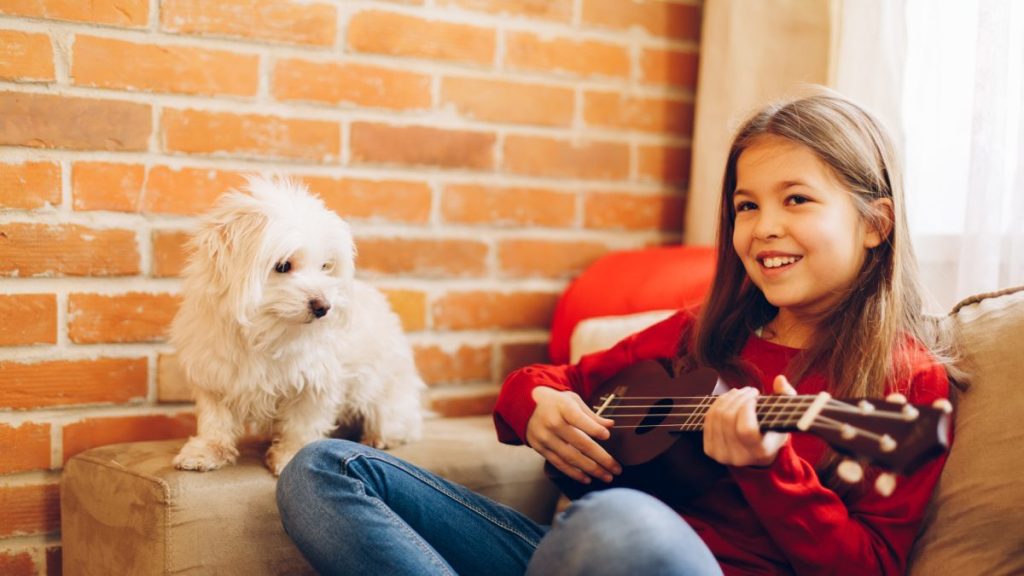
x: 352, y: 509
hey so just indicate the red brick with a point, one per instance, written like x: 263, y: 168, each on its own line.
x: 553, y: 10
x: 51, y: 121
x: 353, y: 84
x: 29, y: 185
x: 529, y: 51
x: 615, y: 110
x: 394, y: 34
x: 375, y: 200
x: 621, y: 211
x: 131, y: 317
x: 546, y: 258
x: 496, y: 206
x: 71, y: 382
x: 169, y: 252
x: 17, y: 563
x: 540, y: 156
x: 81, y: 436
x: 26, y: 447
x: 25, y: 57
x: 110, y: 63
x: 28, y: 250
x: 292, y: 22
x: 469, y: 403
x: 131, y: 13
x: 518, y: 354
x: 669, y: 164
x: 675, y: 68
x: 28, y: 319
x: 428, y: 258
x: 440, y: 365
x: 513, y: 102
x: 668, y: 19
x: 411, y: 307
x: 107, y: 186
x: 421, y: 146
x: 479, y: 310
x: 186, y: 191
x: 31, y: 509
x: 254, y: 135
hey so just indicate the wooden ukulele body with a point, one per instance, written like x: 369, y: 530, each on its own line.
x: 656, y: 457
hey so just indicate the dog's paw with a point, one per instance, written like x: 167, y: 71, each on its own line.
x: 277, y: 457
x: 204, y: 455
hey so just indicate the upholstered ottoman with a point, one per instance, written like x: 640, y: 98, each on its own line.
x: 126, y: 510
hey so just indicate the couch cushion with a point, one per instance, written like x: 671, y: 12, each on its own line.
x: 974, y: 524
x: 126, y: 510
x: 630, y: 281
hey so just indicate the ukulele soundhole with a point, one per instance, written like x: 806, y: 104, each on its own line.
x: 655, y: 416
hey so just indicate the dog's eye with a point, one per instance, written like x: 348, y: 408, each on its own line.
x: 327, y: 267
x: 283, y: 267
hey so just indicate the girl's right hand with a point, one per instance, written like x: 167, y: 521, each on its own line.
x: 563, y: 430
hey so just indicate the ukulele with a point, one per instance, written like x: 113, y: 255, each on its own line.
x: 658, y: 417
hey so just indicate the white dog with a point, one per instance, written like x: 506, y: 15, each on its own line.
x: 274, y: 330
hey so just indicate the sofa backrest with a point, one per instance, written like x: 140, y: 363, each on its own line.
x: 975, y: 524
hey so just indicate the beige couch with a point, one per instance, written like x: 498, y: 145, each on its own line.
x: 125, y: 510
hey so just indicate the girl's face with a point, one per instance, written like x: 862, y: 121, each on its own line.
x: 797, y: 229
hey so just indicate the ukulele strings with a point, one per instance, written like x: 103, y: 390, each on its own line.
x: 781, y: 410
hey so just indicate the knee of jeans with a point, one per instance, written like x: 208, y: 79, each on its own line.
x: 619, y: 502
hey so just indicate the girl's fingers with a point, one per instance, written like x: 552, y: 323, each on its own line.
x: 585, y: 419
x: 781, y: 385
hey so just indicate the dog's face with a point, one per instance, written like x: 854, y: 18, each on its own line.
x: 276, y: 255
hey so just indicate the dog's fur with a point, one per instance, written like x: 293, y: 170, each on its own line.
x: 274, y: 330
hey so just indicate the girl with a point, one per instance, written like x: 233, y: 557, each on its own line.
x: 816, y: 284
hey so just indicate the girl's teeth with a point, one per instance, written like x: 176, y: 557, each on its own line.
x: 779, y: 261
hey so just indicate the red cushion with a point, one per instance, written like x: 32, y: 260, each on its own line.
x: 665, y: 277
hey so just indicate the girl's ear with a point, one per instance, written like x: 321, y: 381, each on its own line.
x: 880, y: 224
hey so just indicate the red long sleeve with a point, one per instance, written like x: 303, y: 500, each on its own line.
x: 779, y: 519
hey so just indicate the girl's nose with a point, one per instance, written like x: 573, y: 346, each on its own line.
x: 769, y: 224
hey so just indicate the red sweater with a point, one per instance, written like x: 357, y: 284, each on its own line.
x: 774, y: 520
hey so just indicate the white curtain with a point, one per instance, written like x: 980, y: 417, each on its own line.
x: 946, y: 77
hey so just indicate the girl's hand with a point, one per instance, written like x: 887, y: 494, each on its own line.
x: 562, y: 429
x: 731, y: 433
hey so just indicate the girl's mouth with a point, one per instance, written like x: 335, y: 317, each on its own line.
x: 776, y: 262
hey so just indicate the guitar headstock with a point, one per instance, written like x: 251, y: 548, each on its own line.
x: 891, y: 434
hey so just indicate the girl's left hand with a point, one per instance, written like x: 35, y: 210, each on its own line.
x: 731, y: 433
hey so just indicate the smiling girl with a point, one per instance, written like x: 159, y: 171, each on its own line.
x: 815, y: 284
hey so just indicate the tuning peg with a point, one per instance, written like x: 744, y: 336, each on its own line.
x: 886, y: 443
x: 847, y: 432
x: 944, y: 405
x: 909, y: 411
x: 885, y: 484
x: 850, y: 471
x: 897, y: 398
x: 866, y: 407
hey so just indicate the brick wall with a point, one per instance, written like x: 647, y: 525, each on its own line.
x: 485, y: 151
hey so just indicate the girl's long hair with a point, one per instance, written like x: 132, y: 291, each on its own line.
x: 859, y: 344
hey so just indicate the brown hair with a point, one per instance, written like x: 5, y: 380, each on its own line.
x: 860, y: 342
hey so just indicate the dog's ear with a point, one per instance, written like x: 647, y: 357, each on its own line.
x: 229, y: 245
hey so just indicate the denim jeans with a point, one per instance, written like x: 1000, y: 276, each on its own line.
x: 352, y: 509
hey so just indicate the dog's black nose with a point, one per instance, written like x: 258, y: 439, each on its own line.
x: 318, y: 308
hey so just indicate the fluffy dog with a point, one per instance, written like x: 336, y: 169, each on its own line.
x: 275, y: 331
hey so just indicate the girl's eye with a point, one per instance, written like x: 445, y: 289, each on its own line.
x: 745, y: 206
x: 283, y: 267
x: 797, y: 199
x: 327, y: 267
